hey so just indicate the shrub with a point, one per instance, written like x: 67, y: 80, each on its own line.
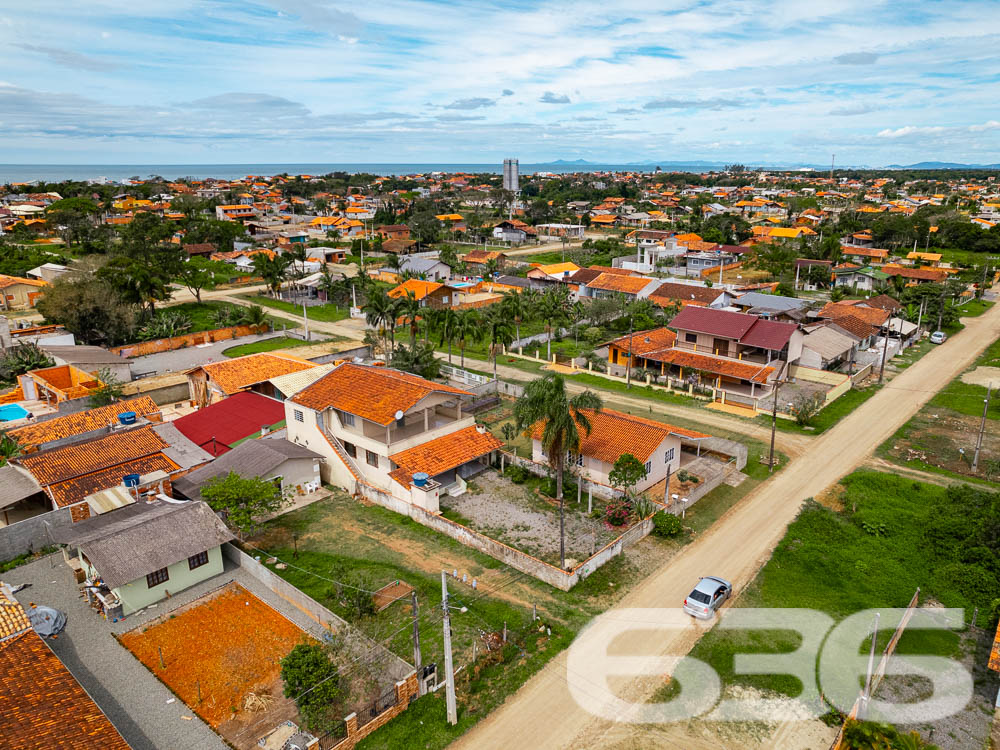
x: 683, y: 476
x: 643, y: 507
x: 618, y: 511
x: 667, y: 525
x: 516, y: 474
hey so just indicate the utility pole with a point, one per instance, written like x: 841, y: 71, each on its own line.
x: 628, y: 367
x: 774, y: 424
x: 940, y: 312
x: 982, y: 429
x: 885, y: 346
x: 871, y: 664
x: 417, y: 660
x: 449, y: 667
x: 305, y: 319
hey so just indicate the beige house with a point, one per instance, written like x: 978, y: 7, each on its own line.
x: 613, y: 434
x: 18, y: 293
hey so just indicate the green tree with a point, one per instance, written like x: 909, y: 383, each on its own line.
x: 409, y: 309
x: 380, y: 314
x: 418, y: 359
x: 144, y: 234
x: 73, y: 218
x: 143, y: 280
x: 627, y: 472
x: 90, y: 308
x: 775, y: 258
x: 562, y: 419
x: 516, y: 305
x: 552, y: 309
x: 22, y: 358
x: 272, y: 269
x: 111, y: 388
x: 199, y: 273
x: 509, y: 432
x: 9, y: 448
x: 313, y: 681
x: 466, y: 329
x: 243, y: 500
x: 499, y: 332
x: 445, y: 324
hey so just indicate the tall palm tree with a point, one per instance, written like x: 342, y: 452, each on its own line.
x: 552, y: 309
x: 517, y: 306
x: 562, y: 419
x: 380, y: 314
x: 498, y: 331
x: 408, y: 308
x: 445, y: 325
x: 577, y: 311
x: 466, y: 329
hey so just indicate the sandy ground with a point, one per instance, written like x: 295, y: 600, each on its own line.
x: 984, y: 376
x: 543, y: 714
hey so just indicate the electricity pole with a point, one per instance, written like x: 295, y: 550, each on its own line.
x: 774, y: 424
x: 417, y: 660
x: 885, y: 345
x: 982, y: 429
x: 628, y: 368
x: 305, y: 319
x: 449, y: 667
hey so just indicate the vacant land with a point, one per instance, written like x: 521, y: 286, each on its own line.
x: 871, y: 543
x: 267, y: 345
x: 203, y: 314
x: 325, y: 313
x: 217, y: 654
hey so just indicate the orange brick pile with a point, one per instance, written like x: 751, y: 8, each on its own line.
x: 232, y: 644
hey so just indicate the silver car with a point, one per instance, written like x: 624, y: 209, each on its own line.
x: 707, y: 597
x: 939, y: 337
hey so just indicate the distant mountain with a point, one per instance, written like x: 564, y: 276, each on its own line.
x: 942, y: 165
x: 568, y: 161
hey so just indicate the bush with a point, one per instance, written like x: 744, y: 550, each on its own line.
x: 516, y: 474
x: 667, y: 525
x: 683, y: 476
x: 618, y: 511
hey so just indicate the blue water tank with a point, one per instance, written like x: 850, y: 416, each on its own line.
x: 420, y: 479
x: 130, y: 480
x: 127, y: 417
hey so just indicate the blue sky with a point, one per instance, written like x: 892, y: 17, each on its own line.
x: 213, y: 81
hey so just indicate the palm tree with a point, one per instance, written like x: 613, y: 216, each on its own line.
x: 445, y: 324
x: 517, y: 306
x: 911, y: 312
x: 562, y: 418
x: 577, y: 311
x: 498, y: 331
x: 408, y: 308
x: 492, y: 266
x: 466, y: 328
x: 552, y: 308
x: 272, y: 270
x: 253, y: 315
x: 380, y: 315
x: 9, y: 448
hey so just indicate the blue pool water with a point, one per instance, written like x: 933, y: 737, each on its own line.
x: 12, y: 412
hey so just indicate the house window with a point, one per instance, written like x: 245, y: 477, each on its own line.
x: 347, y: 419
x: 352, y: 451
x: 299, y: 416
x: 157, y: 577
x: 371, y: 458
x: 668, y: 456
x: 196, y: 561
x: 691, y: 338
x: 648, y: 466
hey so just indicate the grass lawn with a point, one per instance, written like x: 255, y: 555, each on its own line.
x: 974, y: 308
x: 967, y: 398
x: 886, y: 537
x: 829, y: 415
x: 266, y: 345
x: 323, y: 313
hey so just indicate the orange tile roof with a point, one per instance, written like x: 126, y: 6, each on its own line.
x: 42, y: 704
x: 235, y: 374
x: 610, y: 282
x: 871, y: 315
x: 646, y: 341
x: 9, y: 281
x: 730, y: 368
x: 443, y: 454
x: 76, y: 489
x: 613, y: 433
x: 12, y: 617
x: 865, y: 252
x: 918, y: 274
x: 418, y: 287
x: 80, y: 422
x: 855, y: 326
x: 373, y: 393
x: 71, y: 461
x: 689, y: 237
x: 994, y: 663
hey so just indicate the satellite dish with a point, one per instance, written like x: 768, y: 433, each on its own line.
x: 399, y: 414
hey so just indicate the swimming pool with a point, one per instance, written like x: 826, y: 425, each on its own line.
x: 12, y: 412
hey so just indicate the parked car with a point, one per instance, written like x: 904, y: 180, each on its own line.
x: 939, y: 337
x: 707, y: 597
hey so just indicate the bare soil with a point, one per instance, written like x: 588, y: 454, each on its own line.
x: 946, y: 439
x: 984, y: 376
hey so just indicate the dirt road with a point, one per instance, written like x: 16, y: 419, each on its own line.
x: 543, y: 714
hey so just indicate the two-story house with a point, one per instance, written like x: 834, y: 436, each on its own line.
x: 397, y: 432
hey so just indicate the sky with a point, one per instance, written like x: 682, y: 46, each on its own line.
x: 268, y: 81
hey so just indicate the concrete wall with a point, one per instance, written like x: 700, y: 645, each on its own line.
x: 32, y: 534
x: 136, y: 594
x: 143, y: 348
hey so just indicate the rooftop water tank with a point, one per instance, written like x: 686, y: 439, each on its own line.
x: 130, y: 480
x: 420, y: 479
x: 127, y: 417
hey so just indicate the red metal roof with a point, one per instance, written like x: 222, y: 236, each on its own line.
x: 230, y: 420
x: 730, y: 325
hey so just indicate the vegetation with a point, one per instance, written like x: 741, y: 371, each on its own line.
x: 313, y: 681
x: 110, y: 390
x: 22, y: 358
x: 243, y: 501
x: 265, y: 345
x: 627, y: 472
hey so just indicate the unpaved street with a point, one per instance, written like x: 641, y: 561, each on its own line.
x: 543, y: 714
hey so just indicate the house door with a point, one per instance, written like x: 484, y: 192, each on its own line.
x: 721, y: 347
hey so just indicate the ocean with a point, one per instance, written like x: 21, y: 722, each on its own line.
x: 119, y: 172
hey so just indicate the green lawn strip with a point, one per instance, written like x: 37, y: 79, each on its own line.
x: 202, y: 314
x: 828, y: 416
x: 266, y: 345
x: 324, y: 313
x: 974, y: 308
x: 828, y: 561
x: 967, y: 398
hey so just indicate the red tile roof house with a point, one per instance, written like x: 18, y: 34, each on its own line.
x: 613, y: 433
x: 739, y: 353
x: 382, y: 427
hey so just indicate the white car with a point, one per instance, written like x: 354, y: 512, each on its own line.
x: 707, y: 597
x: 939, y: 337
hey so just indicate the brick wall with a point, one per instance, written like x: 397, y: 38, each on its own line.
x: 406, y: 690
x: 143, y: 348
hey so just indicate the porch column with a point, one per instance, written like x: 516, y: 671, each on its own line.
x: 459, y: 407
x: 426, y: 419
x: 387, y: 440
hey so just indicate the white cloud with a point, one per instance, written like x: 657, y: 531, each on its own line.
x: 550, y: 97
